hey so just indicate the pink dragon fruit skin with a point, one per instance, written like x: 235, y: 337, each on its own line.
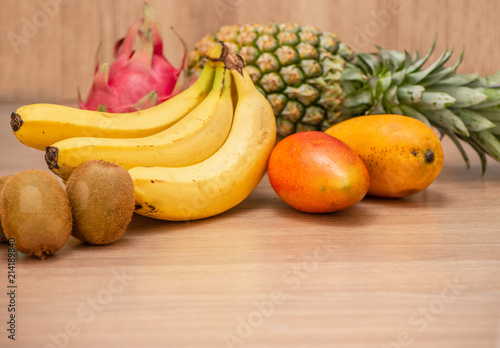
x: 138, y: 78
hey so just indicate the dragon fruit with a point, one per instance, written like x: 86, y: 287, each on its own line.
x: 140, y: 77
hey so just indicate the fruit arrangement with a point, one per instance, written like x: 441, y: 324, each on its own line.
x: 205, y: 163
x: 348, y: 125
x: 403, y: 156
x: 95, y: 207
x: 194, y: 138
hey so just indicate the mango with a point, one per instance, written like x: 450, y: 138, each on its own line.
x: 402, y: 154
x: 316, y: 173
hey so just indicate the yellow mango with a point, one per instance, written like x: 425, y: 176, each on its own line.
x: 402, y: 154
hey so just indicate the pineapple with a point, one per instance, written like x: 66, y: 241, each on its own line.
x: 313, y: 80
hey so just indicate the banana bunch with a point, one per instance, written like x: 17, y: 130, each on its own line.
x: 196, y: 155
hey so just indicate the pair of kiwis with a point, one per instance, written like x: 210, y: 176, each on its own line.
x: 96, y: 207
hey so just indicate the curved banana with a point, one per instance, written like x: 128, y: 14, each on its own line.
x: 223, y: 180
x: 191, y: 140
x: 41, y: 125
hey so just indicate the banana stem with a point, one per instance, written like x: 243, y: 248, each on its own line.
x: 222, y: 52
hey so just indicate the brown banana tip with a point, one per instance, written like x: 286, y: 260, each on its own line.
x: 51, y: 154
x: 15, y: 121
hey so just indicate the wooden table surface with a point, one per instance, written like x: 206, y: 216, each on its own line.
x: 417, y: 272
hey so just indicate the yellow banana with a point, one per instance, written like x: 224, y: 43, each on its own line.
x: 41, y: 125
x: 221, y: 181
x: 191, y: 140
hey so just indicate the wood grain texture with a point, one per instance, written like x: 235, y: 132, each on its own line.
x: 48, y: 46
x: 423, y: 271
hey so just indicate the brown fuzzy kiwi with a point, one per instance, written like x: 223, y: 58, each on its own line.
x: 3, y: 180
x: 35, y: 212
x: 102, y: 199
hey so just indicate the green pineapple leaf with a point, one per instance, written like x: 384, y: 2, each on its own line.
x: 493, y: 98
x: 460, y: 148
x: 409, y: 111
x: 464, y: 96
x: 474, y: 121
x: 447, y: 119
x: 417, y: 62
x: 435, y: 101
x: 457, y: 80
x: 410, y: 94
x: 416, y: 77
x: 479, y: 150
x: 488, y: 142
x: 371, y: 64
x: 493, y: 80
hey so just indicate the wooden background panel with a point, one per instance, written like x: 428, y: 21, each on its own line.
x: 47, y: 47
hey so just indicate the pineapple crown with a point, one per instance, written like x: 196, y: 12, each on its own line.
x: 461, y: 106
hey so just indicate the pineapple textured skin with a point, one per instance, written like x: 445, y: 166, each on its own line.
x: 298, y: 68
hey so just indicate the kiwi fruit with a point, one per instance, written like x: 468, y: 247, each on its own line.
x: 35, y: 211
x: 3, y: 180
x: 102, y: 200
